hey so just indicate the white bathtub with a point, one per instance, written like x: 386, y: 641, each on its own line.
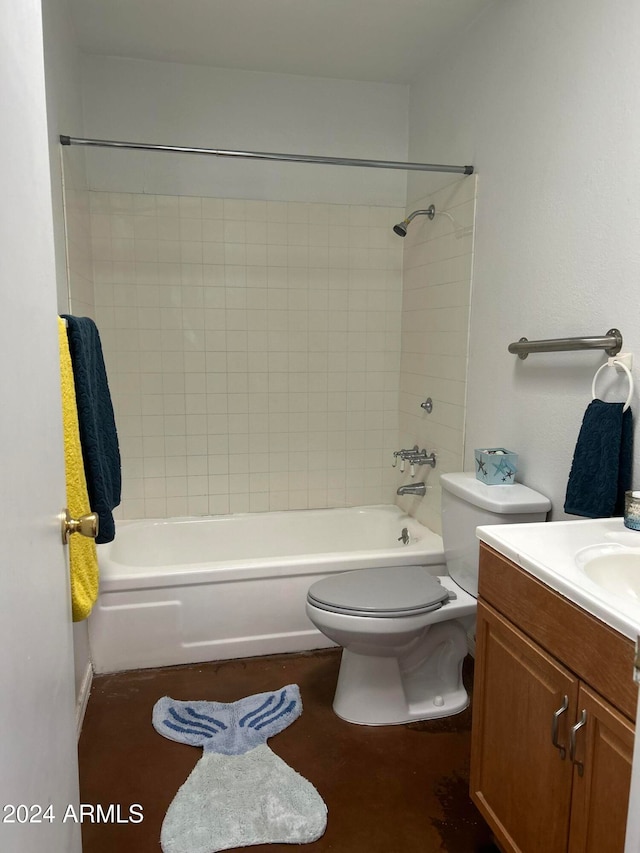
x: 187, y: 590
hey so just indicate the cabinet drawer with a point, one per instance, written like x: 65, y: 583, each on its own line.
x: 593, y: 651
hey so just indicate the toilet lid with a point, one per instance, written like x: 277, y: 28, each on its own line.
x: 390, y: 592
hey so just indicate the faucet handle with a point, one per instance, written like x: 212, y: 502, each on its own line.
x: 415, y: 457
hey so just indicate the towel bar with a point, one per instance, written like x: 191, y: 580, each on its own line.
x: 611, y: 343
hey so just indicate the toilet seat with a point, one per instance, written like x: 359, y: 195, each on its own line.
x: 387, y: 592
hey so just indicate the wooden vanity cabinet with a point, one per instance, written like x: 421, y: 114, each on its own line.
x: 600, y: 795
x: 553, y: 705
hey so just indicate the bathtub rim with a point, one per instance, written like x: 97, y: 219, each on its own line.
x: 118, y: 577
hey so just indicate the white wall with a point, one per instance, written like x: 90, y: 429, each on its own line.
x: 543, y: 99
x: 64, y: 115
x: 170, y: 103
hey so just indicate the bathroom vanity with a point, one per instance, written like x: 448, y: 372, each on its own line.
x: 554, y: 696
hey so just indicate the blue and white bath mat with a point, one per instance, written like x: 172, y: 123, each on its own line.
x: 239, y: 793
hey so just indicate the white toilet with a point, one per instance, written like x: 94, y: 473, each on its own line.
x: 403, y: 630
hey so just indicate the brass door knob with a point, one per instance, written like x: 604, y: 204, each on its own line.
x: 86, y: 525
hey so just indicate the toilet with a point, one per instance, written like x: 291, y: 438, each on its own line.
x: 403, y: 629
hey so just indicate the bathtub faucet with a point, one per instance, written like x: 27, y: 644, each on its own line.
x: 414, y: 457
x: 412, y: 489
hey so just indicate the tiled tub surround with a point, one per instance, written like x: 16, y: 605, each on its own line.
x: 438, y: 258
x: 78, y: 237
x: 253, y: 351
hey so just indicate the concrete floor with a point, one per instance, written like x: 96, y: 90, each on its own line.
x: 391, y: 789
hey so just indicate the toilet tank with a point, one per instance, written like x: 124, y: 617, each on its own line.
x: 466, y: 504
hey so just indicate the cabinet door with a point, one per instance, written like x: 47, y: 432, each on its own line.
x: 602, y: 777
x: 519, y: 779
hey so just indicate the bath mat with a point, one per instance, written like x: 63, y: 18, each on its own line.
x: 240, y: 793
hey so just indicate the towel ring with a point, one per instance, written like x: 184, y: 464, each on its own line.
x: 613, y: 363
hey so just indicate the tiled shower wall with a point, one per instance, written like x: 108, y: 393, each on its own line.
x: 253, y: 351
x: 81, y: 297
x: 436, y: 308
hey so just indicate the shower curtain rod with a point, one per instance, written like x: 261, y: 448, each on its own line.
x: 261, y: 155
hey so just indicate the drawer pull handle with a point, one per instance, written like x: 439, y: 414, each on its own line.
x: 572, y: 742
x: 554, y: 728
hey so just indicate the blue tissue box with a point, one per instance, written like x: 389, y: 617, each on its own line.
x: 496, y: 466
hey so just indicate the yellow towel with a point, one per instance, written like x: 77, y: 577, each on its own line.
x: 83, y: 558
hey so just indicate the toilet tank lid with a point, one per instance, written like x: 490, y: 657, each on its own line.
x: 513, y: 498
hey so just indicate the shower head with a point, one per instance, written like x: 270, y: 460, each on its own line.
x: 401, y: 228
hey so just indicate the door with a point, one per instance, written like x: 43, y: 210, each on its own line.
x: 602, y: 776
x: 520, y: 781
x: 38, y: 764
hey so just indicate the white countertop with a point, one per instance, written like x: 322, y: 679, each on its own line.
x: 547, y: 550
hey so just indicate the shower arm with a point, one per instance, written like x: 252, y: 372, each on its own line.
x: 430, y: 212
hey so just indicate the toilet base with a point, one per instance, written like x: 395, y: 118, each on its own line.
x: 424, y: 683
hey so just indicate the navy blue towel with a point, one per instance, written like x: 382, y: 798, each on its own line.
x: 602, y: 461
x: 98, y: 436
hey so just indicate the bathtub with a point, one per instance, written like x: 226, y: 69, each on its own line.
x: 186, y: 590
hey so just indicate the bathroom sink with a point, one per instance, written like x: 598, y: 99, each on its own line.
x: 595, y: 563
x: 618, y: 572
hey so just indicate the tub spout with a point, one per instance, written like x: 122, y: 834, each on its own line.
x: 413, y: 489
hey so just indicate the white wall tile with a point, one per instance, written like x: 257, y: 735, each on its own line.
x: 438, y: 258
x: 249, y: 345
